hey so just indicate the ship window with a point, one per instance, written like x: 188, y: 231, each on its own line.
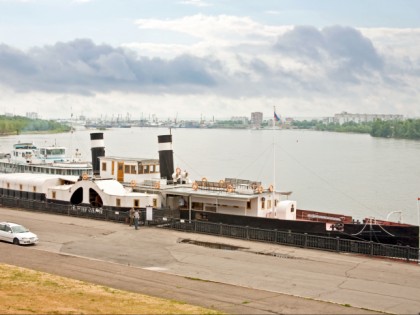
x: 262, y: 203
x: 146, y: 169
x: 127, y: 169
x: 248, y: 205
x: 118, y: 202
x: 136, y: 203
x: 34, y: 188
x: 8, y: 185
x: 104, y: 166
x: 113, y: 167
x: 56, y: 151
x: 156, y: 168
x: 154, y: 202
x: 268, y: 204
x: 140, y: 169
x: 133, y: 169
x: 53, y: 195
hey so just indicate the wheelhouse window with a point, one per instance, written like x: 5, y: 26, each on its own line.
x: 154, y: 202
x: 118, y: 202
x: 103, y: 166
x: 248, y: 205
x: 54, y: 195
x: 136, y: 203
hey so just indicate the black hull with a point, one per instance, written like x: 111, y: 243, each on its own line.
x: 395, y: 235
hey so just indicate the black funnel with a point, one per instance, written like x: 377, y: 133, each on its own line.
x: 166, y: 157
x: 98, y: 150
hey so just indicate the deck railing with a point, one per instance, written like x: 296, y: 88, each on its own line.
x: 169, y: 219
x: 337, y: 244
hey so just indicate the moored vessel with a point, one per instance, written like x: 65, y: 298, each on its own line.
x: 27, y: 157
x: 119, y: 183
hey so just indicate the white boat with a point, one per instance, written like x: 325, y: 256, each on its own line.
x: 26, y: 157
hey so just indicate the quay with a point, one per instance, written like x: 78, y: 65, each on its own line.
x: 230, y: 275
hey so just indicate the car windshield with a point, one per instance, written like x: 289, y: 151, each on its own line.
x: 19, y: 229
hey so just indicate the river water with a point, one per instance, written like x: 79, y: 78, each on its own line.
x: 335, y: 172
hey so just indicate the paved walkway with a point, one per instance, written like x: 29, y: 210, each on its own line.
x: 257, y: 278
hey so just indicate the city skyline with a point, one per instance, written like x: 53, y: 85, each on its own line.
x: 212, y: 58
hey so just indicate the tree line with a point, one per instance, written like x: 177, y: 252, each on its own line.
x: 402, y: 129
x: 20, y: 124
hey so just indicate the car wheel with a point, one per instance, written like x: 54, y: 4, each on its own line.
x: 15, y: 241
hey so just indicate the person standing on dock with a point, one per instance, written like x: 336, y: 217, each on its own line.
x: 136, y: 219
x: 131, y: 216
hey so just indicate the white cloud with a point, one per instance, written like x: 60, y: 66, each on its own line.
x: 233, y: 65
x: 219, y: 30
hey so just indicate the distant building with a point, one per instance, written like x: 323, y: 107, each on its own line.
x: 256, y: 119
x: 345, y: 117
x: 32, y: 115
x: 242, y: 119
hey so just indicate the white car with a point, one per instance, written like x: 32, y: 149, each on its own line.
x: 16, y: 234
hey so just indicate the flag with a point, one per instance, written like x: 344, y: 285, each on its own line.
x: 276, y: 117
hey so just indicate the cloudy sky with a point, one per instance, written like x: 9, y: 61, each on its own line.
x: 209, y: 58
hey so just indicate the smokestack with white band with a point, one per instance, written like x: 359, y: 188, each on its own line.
x: 98, y: 149
x: 166, y: 156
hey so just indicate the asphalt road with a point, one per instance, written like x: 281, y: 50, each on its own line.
x: 256, y: 278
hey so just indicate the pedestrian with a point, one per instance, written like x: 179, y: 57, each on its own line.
x: 136, y: 219
x: 131, y: 216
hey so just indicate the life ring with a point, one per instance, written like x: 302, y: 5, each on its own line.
x: 260, y: 189
x: 271, y: 188
x: 84, y: 176
x: 195, y: 186
x: 204, y: 179
x: 157, y: 185
x: 229, y: 188
x: 133, y: 183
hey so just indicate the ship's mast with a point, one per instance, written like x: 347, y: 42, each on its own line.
x: 274, y: 161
